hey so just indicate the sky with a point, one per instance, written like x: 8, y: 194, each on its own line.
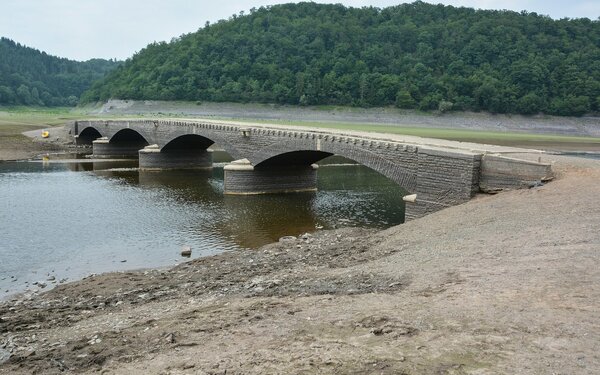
x: 85, y: 29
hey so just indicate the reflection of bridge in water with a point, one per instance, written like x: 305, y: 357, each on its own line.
x: 275, y: 159
x: 252, y: 221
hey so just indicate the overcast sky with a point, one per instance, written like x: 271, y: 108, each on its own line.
x: 84, y: 29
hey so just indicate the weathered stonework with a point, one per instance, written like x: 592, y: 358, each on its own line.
x: 440, y: 177
x: 151, y: 158
x: 503, y: 173
x: 103, y: 149
x: 443, y: 179
x: 241, y: 178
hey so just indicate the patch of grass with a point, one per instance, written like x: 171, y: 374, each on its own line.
x: 15, y: 120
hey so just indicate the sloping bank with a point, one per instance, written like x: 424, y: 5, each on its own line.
x: 502, y: 284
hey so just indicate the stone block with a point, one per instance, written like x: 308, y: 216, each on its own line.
x: 504, y: 173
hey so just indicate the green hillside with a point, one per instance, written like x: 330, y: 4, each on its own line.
x: 412, y: 55
x: 31, y: 77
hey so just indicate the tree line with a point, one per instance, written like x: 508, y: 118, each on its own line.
x: 419, y: 55
x: 412, y: 56
x: 31, y: 77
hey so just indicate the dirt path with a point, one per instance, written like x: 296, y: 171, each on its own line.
x: 503, y: 284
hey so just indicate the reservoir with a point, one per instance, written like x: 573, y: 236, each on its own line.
x: 66, y: 220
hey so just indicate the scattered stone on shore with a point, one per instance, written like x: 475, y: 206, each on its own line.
x: 40, y: 284
x: 287, y: 239
x: 170, y: 338
x: 4, y: 356
x: 186, y: 251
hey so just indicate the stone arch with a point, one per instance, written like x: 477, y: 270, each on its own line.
x: 404, y: 174
x: 296, y: 158
x: 187, y: 142
x: 128, y: 136
x: 88, y: 135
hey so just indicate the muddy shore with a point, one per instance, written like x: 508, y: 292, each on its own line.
x: 21, y: 147
x: 507, y: 284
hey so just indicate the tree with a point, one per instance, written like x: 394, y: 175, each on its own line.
x: 530, y: 104
x: 7, y: 96
x: 24, y: 95
x: 31, y: 77
x: 571, y: 106
x: 404, y: 99
x: 430, y: 101
x: 445, y: 106
x: 410, y: 55
x: 72, y: 101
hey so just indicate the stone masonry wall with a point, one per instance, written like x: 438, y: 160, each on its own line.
x: 439, y: 177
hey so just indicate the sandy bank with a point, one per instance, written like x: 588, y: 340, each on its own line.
x: 502, y: 284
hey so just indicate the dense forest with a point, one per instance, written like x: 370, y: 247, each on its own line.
x: 413, y: 56
x: 31, y: 77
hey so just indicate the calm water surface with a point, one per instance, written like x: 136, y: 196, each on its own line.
x: 69, y: 220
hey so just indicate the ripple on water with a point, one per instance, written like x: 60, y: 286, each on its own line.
x: 71, y: 224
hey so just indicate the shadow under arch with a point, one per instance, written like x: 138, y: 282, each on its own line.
x: 187, y: 142
x: 404, y: 175
x: 88, y: 135
x: 358, y: 173
x: 294, y: 158
x: 128, y: 136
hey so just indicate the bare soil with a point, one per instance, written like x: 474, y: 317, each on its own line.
x: 20, y: 147
x: 505, y: 284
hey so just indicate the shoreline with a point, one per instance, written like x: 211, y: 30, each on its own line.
x: 508, y: 283
x: 482, y: 121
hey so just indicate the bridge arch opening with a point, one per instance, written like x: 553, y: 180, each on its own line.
x: 188, y: 142
x: 128, y: 136
x: 305, y: 158
x: 88, y: 135
x: 294, y: 158
x: 349, y: 188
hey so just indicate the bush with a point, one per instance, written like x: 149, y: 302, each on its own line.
x: 445, y: 106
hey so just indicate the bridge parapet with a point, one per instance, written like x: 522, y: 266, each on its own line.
x: 441, y: 176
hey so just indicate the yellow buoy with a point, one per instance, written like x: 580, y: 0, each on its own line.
x: 45, y: 134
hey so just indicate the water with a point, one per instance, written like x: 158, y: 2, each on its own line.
x: 586, y: 155
x: 69, y: 220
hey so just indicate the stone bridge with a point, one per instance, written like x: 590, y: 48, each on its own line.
x: 272, y: 159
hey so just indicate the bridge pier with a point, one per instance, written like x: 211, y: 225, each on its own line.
x: 242, y: 178
x: 153, y: 158
x: 103, y: 149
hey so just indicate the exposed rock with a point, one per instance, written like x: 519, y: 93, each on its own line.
x: 186, y: 251
x: 4, y: 356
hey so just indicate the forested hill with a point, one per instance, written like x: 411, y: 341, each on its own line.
x: 31, y: 77
x: 412, y: 55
